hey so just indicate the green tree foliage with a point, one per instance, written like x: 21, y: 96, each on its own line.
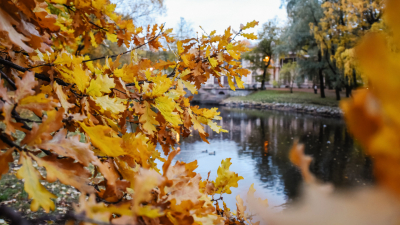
x: 260, y: 57
x: 290, y: 73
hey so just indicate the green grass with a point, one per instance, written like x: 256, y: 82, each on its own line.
x: 278, y: 96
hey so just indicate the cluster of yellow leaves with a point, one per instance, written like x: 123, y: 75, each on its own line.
x: 372, y: 115
x: 343, y: 24
x: 117, y: 113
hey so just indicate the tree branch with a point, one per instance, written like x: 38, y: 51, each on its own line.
x: 15, y: 217
x: 139, y: 46
x: 37, y: 75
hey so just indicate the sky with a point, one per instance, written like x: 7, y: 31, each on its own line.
x: 220, y: 14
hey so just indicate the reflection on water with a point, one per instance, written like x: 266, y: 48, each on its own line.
x: 337, y: 159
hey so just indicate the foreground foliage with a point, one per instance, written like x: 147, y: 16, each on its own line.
x: 65, y: 112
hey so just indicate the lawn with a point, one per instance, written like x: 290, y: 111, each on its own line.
x: 284, y: 96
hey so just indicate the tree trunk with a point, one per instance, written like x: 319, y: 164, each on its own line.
x: 263, y: 80
x: 291, y: 89
x: 321, y: 84
x: 321, y: 76
x: 354, y: 79
x: 348, y: 87
x: 337, y: 93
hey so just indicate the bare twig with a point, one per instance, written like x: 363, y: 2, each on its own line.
x: 9, y: 81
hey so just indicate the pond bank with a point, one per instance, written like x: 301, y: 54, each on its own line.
x: 325, y: 111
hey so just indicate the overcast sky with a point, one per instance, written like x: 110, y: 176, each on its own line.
x: 220, y: 14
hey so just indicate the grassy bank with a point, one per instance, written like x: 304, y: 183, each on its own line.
x: 283, y: 96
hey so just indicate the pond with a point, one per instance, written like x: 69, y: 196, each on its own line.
x: 337, y: 157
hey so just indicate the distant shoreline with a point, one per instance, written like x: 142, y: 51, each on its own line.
x: 324, y: 111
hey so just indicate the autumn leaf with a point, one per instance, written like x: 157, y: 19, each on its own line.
x: 62, y: 97
x: 144, y: 183
x: 25, y: 85
x: 302, y: 161
x: 37, y: 103
x: 105, y: 139
x: 70, y: 147
x: 40, y: 196
x: 167, y: 106
x: 190, y: 87
x: 67, y: 171
x: 148, y: 119
x: 250, y: 36
x: 6, y: 25
x: 102, y: 84
x: 5, y: 158
x: 113, y: 105
x: 249, y: 25
x: 39, y: 133
x: 226, y: 178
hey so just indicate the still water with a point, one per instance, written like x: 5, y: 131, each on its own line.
x: 337, y: 158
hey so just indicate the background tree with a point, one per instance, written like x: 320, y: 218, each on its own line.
x: 343, y: 24
x: 261, y: 55
x: 297, y: 38
x: 142, y: 12
x: 184, y: 29
x: 290, y: 73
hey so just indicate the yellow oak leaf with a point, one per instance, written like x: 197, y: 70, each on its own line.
x: 105, y: 139
x: 214, y: 126
x: 231, y: 83
x: 67, y: 59
x: 46, y: 89
x: 234, y: 54
x: 167, y: 106
x: 81, y: 78
x: 37, y: 103
x: 180, y: 48
x: 113, y: 105
x: 148, y: 120
x: 99, y: 85
x: 191, y: 87
x: 150, y: 211
x: 112, y: 37
x: 213, y: 61
x: 250, y: 36
x: 93, y: 39
x: 226, y: 178
x: 40, y: 196
x: 239, y: 82
x: 249, y: 25
x: 59, y: 1
x: 161, y: 84
x: 66, y: 171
